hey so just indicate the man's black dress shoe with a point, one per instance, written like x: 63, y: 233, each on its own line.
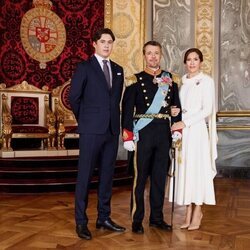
x: 83, y: 232
x: 137, y: 228
x: 161, y: 225
x: 110, y: 225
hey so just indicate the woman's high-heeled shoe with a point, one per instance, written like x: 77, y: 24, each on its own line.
x: 184, y: 226
x: 188, y: 218
x: 195, y: 226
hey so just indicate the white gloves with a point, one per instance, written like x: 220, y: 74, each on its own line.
x: 129, y: 145
x: 176, y: 135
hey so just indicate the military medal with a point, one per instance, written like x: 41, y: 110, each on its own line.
x: 154, y: 80
x: 164, y: 92
x: 164, y: 104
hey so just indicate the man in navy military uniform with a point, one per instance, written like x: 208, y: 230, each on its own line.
x: 146, y: 122
x: 94, y: 96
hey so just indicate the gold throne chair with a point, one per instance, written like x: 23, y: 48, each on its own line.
x: 65, y: 119
x: 26, y: 113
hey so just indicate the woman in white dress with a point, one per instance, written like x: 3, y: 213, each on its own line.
x: 195, y: 173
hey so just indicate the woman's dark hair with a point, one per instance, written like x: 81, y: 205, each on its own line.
x: 100, y: 32
x: 197, y: 51
x: 153, y: 43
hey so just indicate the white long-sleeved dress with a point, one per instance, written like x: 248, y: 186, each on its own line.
x: 196, y: 170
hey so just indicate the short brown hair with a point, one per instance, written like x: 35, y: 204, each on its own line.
x: 153, y: 43
x: 191, y: 50
x: 100, y: 32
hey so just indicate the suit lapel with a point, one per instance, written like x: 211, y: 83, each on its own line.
x: 114, y: 75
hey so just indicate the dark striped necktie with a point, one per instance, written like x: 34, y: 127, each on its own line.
x: 106, y: 72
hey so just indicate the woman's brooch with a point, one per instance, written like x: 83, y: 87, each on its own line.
x: 198, y: 82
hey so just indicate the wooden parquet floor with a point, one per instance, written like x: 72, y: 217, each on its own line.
x: 46, y: 221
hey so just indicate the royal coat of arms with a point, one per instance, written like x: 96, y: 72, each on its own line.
x: 43, y: 33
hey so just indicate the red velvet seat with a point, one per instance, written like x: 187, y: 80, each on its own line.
x: 29, y: 129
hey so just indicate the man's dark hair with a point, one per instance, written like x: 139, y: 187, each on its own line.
x: 153, y: 43
x: 197, y: 51
x: 100, y: 32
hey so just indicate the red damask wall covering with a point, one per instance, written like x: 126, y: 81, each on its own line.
x: 81, y: 19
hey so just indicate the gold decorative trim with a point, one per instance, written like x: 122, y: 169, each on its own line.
x: 59, y: 107
x: 24, y: 86
x: 245, y: 113
x: 43, y: 4
x: 2, y: 86
x: 108, y: 13
x: 234, y: 127
x: 134, y: 182
x: 226, y: 114
x: 143, y: 28
x: 129, y: 80
x: 204, y: 33
x: 6, y: 122
x: 127, y: 23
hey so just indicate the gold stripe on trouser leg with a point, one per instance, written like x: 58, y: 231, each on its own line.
x: 135, y: 181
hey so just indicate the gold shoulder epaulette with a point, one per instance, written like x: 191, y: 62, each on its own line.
x: 129, y: 80
x: 176, y: 78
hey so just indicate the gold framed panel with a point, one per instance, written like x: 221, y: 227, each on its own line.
x: 233, y: 114
x: 127, y: 20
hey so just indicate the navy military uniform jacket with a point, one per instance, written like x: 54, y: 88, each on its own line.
x: 151, y: 156
x: 139, y: 96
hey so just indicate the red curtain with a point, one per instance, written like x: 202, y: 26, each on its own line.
x: 81, y: 19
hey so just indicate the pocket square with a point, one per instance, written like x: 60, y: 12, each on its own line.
x: 119, y: 73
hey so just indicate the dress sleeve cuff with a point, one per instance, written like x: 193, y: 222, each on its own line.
x: 127, y: 135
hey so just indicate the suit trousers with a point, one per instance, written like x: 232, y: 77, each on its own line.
x: 152, y: 159
x: 96, y: 150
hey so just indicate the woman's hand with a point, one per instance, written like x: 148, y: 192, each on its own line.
x: 178, y: 125
x: 174, y: 111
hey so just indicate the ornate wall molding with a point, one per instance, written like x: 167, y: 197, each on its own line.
x: 204, y: 33
x: 127, y: 20
x: 108, y: 13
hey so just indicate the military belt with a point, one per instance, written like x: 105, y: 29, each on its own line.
x: 152, y: 116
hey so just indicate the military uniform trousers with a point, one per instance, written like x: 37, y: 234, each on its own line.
x: 151, y: 158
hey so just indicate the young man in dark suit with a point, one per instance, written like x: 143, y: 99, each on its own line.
x: 95, y: 95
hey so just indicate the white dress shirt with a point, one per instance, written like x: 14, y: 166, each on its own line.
x: 100, y: 60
